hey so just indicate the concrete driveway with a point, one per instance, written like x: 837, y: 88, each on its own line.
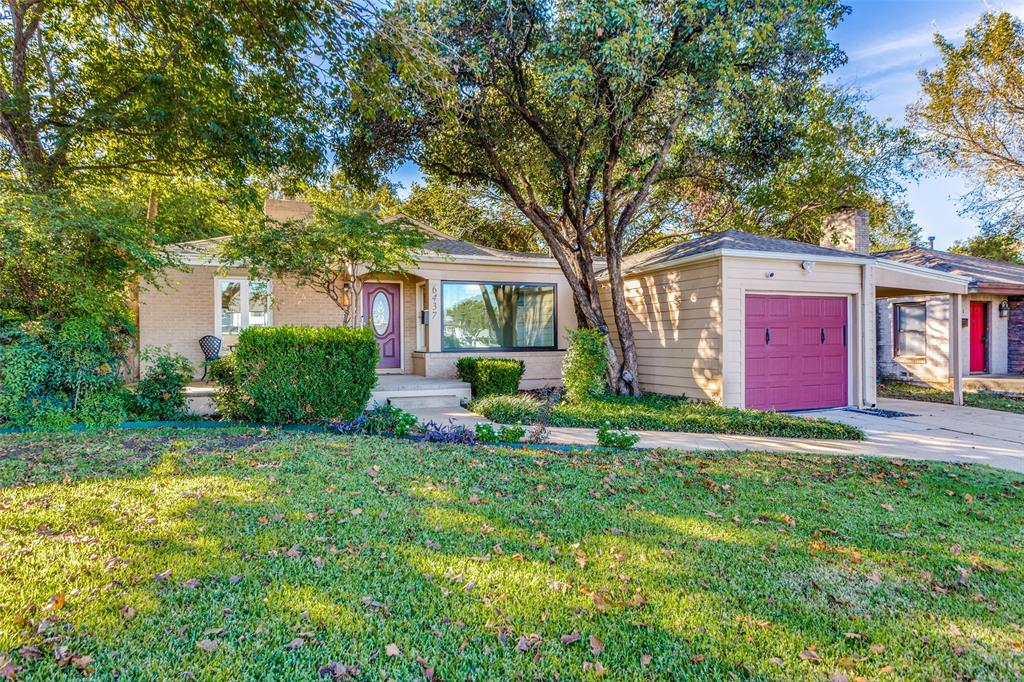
x: 942, y: 433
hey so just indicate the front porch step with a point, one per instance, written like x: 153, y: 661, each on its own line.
x: 409, y: 391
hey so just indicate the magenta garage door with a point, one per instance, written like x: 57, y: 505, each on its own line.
x: 796, y: 352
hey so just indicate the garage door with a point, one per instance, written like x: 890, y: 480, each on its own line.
x: 795, y: 352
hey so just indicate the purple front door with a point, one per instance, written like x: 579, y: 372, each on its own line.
x: 796, y: 352
x: 383, y: 308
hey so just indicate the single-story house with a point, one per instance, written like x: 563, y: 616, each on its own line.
x: 424, y: 320
x: 913, y: 331
x: 741, y: 319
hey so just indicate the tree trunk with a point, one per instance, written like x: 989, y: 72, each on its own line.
x: 627, y: 380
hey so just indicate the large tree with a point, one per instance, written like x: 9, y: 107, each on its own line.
x: 229, y: 88
x: 580, y: 111
x: 972, y: 110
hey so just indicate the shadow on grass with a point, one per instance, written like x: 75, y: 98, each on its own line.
x: 460, y: 557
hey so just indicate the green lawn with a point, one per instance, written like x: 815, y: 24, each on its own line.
x: 266, y: 555
x: 662, y: 413
x: 905, y: 390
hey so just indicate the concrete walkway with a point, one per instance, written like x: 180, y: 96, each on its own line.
x: 936, y: 432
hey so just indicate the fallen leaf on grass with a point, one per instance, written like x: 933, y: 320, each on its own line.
x: 876, y: 648
x: 207, y: 645
x: 338, y: 671
x: 296, y: 643
x: 191, y: 584
x: 235, y: 579
x: 596, y: 645
x: 645, y: 660
x: 127, y: 612
x: 810, y: 655
x: 571, y: 639
x: 8, y: 670
x: 697, y: 658
x: 391, y: 650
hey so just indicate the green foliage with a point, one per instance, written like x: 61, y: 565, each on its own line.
x: 159, y: 395
x: 511, y: 434
x: 229, y: 400
x: 472, y: 213
x: 490, y: 376
x: 1006, y: 245
x: 73, y: 253
x: 486, y: 433
x: 322, y: 251
x: 507, y: 409
x: 301, y: 374
x: 585, y: 365
x: 661, y: 413
x: 223, y: 87
x: 971, y: 110
x: 607, y: 437
x: 388, y: 419
x: 105, y: 408
x: 50, y: 370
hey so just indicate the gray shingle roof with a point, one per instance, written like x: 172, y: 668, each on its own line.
x: 981, y: 271
x: 735, y: 240
x: 439, y: 243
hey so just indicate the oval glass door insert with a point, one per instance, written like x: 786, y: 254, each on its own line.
x: 380, y: 313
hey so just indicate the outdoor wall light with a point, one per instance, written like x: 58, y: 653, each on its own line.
x: 807, y: 265
x: 1004, y: 308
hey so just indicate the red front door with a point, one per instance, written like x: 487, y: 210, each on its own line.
x: 979, y: 336
x: 382, y: 307
x: 796, y: 352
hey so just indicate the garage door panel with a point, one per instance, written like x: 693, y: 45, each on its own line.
x: 792, y: 367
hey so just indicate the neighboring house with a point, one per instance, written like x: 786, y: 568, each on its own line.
x: 424, y: 321
x: 738, y: 318
x: 913, y: 331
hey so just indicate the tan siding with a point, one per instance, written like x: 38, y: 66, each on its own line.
x: 742, y: 276
x: 677, y: 323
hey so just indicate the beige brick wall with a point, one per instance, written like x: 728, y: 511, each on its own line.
x: 181, y: 310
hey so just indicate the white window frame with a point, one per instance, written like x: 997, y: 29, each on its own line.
x: 421, y: 329
x: 243, y: 294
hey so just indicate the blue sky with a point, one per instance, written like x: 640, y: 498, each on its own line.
x: 887, y: 42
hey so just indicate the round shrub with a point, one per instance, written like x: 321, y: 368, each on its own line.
x: 508, y: 409
x: 490, y: 376
x: 585, y: 365
x: 160, y: 395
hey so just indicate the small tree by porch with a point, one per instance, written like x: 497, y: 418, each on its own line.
x: 330, y: 251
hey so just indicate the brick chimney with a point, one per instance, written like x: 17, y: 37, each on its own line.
x: 847, y: 229
x: 283, y: 210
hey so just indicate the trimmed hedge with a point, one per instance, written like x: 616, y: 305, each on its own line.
x: 282, y: 375
x: 662, y: 413
x: 490, y: 376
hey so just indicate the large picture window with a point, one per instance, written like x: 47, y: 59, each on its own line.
x: 910, y: 325
x: 241, y: 303
x: 493, y: 315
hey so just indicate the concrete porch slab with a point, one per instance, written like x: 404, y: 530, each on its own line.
x: 1008, y: 383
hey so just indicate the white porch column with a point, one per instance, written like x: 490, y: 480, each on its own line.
x: 956, y: 360
x: 868, y: 339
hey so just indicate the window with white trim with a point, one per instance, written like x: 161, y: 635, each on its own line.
x: 910, y: 328
x: 240, y: 303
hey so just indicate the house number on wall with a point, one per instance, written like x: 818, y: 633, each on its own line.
x: 433, y: 302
